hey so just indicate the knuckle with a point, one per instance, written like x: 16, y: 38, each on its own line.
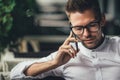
x: 71, y: 46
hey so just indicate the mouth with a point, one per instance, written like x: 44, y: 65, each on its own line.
x: 89, y: 41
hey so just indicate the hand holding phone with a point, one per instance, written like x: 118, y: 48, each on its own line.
x: 76, y: 43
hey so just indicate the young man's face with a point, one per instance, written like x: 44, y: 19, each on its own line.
x: 89, y: 37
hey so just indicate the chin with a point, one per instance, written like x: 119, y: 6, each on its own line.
x: 90, y: 46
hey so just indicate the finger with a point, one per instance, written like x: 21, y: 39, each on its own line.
x: 68, y: 40
x: 70, y: 35
x: 69, y: 50
x: 71, y: 53
x: 65, y: 46
x: 69, y: 47
x: 66, y: 51
x: 73, y: 50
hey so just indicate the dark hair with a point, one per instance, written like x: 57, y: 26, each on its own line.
x: 82, y: 5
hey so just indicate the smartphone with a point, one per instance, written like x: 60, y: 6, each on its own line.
x: 76, y: 43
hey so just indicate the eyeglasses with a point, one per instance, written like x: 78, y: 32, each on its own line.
x: 91, y: 27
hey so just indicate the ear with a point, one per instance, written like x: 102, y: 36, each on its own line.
x: 103, y: 21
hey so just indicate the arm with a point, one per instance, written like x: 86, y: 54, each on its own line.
x: 63, y: 55
x: 38, y: 68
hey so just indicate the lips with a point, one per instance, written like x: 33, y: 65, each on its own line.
x: 89, y: 41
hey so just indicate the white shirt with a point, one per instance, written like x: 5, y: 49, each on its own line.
x: 102, y: 63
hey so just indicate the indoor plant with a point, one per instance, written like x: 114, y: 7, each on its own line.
x: 6, y: 7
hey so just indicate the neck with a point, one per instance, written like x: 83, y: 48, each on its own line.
x: 100, y: 42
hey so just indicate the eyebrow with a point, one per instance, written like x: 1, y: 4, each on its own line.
x: 94, y: 21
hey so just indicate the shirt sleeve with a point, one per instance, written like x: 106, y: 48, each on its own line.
x: 119, y: 46
x: 17, y: 71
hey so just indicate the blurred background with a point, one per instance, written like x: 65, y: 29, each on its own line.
x: 31, y: 29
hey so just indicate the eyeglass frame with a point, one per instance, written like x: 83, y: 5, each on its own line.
x: 87, y: 26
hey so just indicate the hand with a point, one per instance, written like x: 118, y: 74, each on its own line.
x: 65, y: 51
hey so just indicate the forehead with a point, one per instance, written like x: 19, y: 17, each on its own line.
x: 83, y: 18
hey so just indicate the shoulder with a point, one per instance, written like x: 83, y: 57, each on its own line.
x: 113, y: 42
x: 114, y: 39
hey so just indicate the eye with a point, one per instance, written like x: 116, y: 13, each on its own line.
x: 93, y: 25
x: 78, y: 28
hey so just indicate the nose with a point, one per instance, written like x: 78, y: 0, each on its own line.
x: 86, y: 32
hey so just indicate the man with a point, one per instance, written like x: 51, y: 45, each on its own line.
x: 98, y: 57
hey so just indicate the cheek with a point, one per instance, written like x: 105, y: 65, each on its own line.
x: 97, y: 36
